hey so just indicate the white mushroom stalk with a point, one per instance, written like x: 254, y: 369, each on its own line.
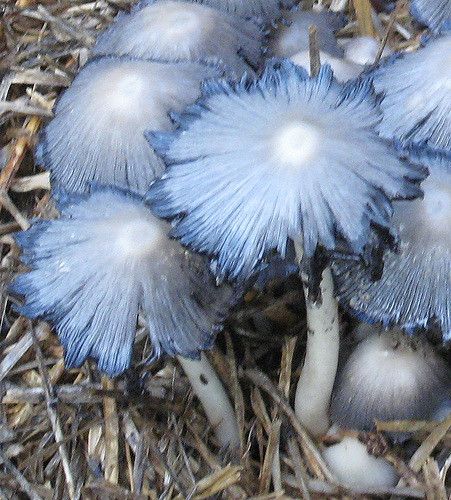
x: 317, y: 377
x: 216, y: 403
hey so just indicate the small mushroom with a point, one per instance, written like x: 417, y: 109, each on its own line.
x: 389, y: 376
x: 435, y: 14
x: 416, y: 98
x: 258, y: 166
x: 363, y: 50
x: 343, y: 70
x: 177, y: 30
x: 268, y: 10
x: 97, y: 133
x: 292, y: 35
x: 108, y: 259
x: 414, y: 290
x: 353, y: 466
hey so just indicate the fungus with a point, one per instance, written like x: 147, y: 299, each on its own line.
x: 435, y: 14
x: 389, y: 376
x: 292, y: 36
x: 266, y: 9
x: 174, y: 30
x: 343, y: 70
x: 97, y: 133
x: 351, y: 463
x: 103, y: 262
x: 258, y: 165
x: 416, y: 97
x: 363, y: 50
x: 413, y: 292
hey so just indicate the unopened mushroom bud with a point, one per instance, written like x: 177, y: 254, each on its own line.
x: 389, y: 376
x: 353, y: 466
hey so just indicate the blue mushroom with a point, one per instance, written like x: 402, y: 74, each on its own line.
x: 292, y: 36
x: 268, y: 10
x: 284, y: 157
x: 415, y: 95
x: 174, y: 30
x: 414, y: 290
x: 104, y: 261
x: 97, y: 133
x: 435, y: 14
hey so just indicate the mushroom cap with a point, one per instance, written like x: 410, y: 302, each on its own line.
x: 292, y: 36
x: 435, y: 14
x: 106, y: 259
x: 174, y: 30
x: 265, y: 9
x: 414, y: 290
x: 97, y: 133
x: 363, y: 50
x: 352, y: 465
x: 416, y: 97
x: 389, y: 376
x: 343, y: 70
x: 260, y: 162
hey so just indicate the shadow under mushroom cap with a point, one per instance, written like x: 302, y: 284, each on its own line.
x: 105, y: 260
x: 285, y: 156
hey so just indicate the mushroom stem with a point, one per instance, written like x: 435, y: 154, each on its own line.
x: 217, y: 406
x: 321, y: 359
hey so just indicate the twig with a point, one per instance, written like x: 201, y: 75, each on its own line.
x: 18, y: 153
x: 111, y: 434
x: 363, y: 13
x: 391, y: 23
x: 23, y: 483
x: 50, y: 400
x: 428, y: 445
x: 315, y: 60
x: 314, y: 458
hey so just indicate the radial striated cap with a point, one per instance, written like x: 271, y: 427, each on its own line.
x: 292, y: 36
x: 265, y: 9
x: 389, y: 376
x: 435, y: 14
x: 285, y: 156
x: 416, y: 97
x: 106, y: 259
x: 97, y: 133
x: 173, y: 30
x: 414, y: 291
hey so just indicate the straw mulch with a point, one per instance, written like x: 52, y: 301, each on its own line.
x: 71, y: 433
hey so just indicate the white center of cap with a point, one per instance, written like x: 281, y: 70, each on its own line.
x: 126, y: 92
x: 137, y: 238
x: 183, y: 21
x: 296, y: 144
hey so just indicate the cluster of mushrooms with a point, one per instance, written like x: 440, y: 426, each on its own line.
x: 197, y: 143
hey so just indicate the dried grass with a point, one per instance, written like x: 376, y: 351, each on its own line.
x: 72, y: 433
